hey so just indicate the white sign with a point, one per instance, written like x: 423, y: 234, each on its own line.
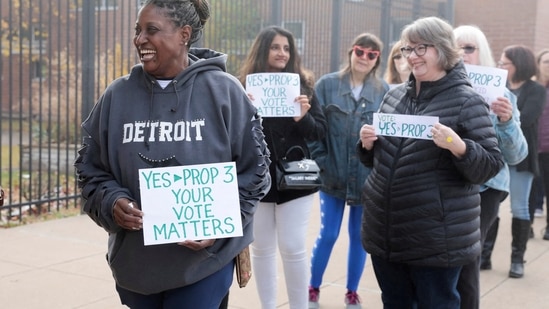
x: 274, y: 93
x: 190, y: 202
x: 404, y: 125
x: 489, y: 82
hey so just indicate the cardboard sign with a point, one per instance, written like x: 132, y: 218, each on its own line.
x: 404, y: 125
x: 190, y: 202
x: 274, y: 93
x: 489, y: 82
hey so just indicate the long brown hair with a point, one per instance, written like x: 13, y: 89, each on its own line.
x: 257, y: 59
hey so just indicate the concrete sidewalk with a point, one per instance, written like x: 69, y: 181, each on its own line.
x: 61, y: 264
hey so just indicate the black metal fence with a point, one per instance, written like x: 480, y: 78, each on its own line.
x: 57, y: 56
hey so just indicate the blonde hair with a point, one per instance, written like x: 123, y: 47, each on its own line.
x: 392, y: 76
x: 473, y: 34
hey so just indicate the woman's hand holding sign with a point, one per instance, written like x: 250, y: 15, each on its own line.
x: 127, y: 214
x: 503, y: 109
x: 303, y: 100
x: 444, y: 137
x: 367, y: 136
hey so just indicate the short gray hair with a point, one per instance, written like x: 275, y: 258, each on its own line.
x: 435, y: 31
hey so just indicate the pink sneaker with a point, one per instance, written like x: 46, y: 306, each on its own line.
x: 352, y: 301
x: 314, y: 295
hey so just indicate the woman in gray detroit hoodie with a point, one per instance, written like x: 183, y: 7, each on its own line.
x: 177, y: 108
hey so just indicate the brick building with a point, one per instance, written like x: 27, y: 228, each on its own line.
x: 507, y: 22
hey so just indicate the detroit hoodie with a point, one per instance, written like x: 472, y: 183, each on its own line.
x: 202, y: 116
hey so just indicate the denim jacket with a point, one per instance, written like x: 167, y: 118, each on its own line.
x: 512, y: 144
x: 342, y: 172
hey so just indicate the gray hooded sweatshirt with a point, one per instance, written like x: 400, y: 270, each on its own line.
x: 202, y: 116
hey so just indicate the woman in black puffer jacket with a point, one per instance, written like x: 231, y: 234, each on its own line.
x: 421, y: 201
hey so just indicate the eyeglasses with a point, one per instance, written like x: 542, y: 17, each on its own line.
x: 360, y: 52
x: 468, y: 49
x: 420, y: 50
x: 503, y: 64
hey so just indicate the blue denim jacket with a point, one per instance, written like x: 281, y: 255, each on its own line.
x: 512, y: 144
x: 342, y: 172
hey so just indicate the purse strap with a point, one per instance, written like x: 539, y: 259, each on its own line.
x: 295, y: 147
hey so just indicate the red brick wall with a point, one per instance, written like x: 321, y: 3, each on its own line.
x: 507, y: 22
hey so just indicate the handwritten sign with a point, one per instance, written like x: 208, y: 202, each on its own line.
x: 274, y: 93
x: 190, y: 202
x: 404, y: 125
x: 489, y: 82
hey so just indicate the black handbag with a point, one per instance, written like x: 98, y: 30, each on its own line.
x: 302, y: 174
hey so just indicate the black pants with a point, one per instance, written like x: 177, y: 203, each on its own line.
x: 540, y: 185
x: 469, y: 279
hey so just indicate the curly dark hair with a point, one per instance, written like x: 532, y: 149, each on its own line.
x: 194, y: 13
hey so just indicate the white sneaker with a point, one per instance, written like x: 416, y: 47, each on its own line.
x: 538, y: 213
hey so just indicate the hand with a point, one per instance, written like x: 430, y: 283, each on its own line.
x: 367, y: 136
x: 444, y: 137
x: 251, y: 96
x: 303, y: 100
x: 127, y: 214
x: 503, y: 108
x: 197, y: 245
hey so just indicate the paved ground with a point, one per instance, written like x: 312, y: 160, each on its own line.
x: 60, y: 264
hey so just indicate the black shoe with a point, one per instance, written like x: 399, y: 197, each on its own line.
x: 517, y: 270
x: 486, y: 264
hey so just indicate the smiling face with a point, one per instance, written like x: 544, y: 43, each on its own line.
x: 160, y: 45
x: 426, y: 66
x: 279, y: 54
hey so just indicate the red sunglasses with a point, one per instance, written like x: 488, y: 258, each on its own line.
x: 360, y: 52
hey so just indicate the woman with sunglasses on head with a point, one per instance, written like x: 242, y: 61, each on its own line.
x: 475, y: 50
x: 421, y: 200
x: 397, y: 71
x: 520, y: 63
x: 282, y: 217
x: 348, y: 98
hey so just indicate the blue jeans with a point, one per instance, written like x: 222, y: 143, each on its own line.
x: 520, y: 185
x: 406, y: 286
x: 206, y: 293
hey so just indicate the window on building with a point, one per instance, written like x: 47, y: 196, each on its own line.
x: 37, y: 70
x: 297, y: 29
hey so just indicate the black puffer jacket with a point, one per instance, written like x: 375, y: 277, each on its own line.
x: 422, y: 204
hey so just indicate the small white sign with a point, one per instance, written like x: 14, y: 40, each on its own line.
x: 274, y: 93
x: 489, y: 82
x: 191, y: 202
x: 404, y: 125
